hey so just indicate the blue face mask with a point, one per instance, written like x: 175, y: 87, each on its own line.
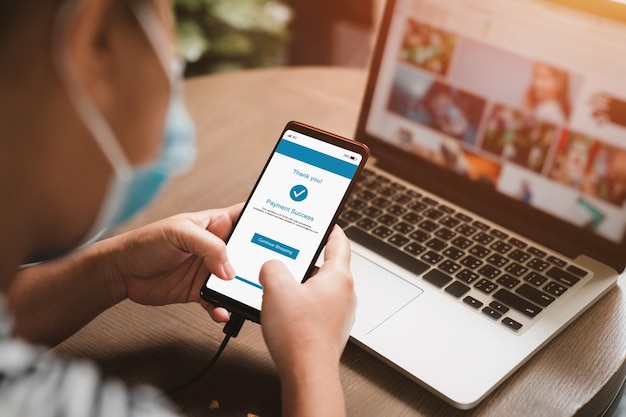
x: 132, y: 188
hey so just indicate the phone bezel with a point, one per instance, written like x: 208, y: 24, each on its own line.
x: 220, y: 300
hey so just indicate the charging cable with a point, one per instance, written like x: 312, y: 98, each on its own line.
x: 231, y: 329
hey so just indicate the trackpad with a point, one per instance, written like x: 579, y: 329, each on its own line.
x: 381, y: 294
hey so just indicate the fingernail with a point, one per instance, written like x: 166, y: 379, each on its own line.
x: 229, y: 271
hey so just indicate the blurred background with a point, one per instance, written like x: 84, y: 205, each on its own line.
x: 226, y: 35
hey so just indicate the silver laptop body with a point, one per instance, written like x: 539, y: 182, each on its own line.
x: 493, y: 214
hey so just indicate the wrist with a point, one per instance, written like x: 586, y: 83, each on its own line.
x: 103, y: 264
x: 312, y: 388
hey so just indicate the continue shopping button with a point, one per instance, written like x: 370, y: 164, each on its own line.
x: 275, y: 246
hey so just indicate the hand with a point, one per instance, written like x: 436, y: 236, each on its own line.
x: 309, y: 323
x: 167, y: 261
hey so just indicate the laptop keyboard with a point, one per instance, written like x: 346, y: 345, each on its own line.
x: 502, y: 276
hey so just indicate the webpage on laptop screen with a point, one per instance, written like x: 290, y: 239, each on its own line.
x: 526, y: 95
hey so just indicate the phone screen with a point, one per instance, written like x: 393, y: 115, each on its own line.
x: 289, y: 213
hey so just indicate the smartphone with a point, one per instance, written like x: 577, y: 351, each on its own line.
x: 289, y: 214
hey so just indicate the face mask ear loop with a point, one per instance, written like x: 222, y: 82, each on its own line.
x: 148, y: 19
x: 82, y: 103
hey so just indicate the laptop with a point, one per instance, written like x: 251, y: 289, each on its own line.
x: 493, y: 212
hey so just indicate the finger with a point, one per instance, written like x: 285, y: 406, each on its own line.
x: 337, y: 252
x: 218, y: 314
x: 275, y: 276
x: 218, y: 221
x: 187, y: 236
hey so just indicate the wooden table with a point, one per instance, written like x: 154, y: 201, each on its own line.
x: 239, y: 117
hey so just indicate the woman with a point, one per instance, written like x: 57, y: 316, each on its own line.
x: 86, y: 88
x: 547, y: 96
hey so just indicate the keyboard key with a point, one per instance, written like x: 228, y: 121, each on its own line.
x: 576, y: 271
x: 497, y: 260
x: 538, y: 264
x: 518, y: 243
x: 484, y: 238
x: 429, y: 201
x: 562, y: 276
x: 467, y: 276
x: 433, y: 214
x: 508, y: 281
x: 342, y: 223
x: 419, y: 235
x: 437, y: 278
x: 555, y: 289
x: 557, y: 261
x: 413, y: 193
x: 471, y: 262
x: 519, y: 256
x: 414, y: 248
x: 501, y: 247
x: 412, y: 217
x: 472, y: 302
x: 366, y: 195
x: 480, y: 225
x: 500, y: 308
x: 403, y: 228
x: 386, y: 191
x: 382, y: 179
x: 445, y: 209
x: 498, y: 233
x: 350, y: 216
x: 357, y: 204
x: 366, y: 224
x: 445, y: 234
x: 396, y: 210
x: 436, y: 244
x: 517, y: 303
x: 401, y: 258
x: 535, y: 279
x: 372, y: 212
x: 535, y: 295
x: 491, y: 313
x: 516, y: 269
x: 509, y: 322
x: 453, y: 253
x: 449, y: 267
x: 387, y: 219
x: 466, y: 230
x: 489, y: 271
x: 479, y: 251
x: 462, y: 242
x: 398, y: 186
x: 381, y: 202
x: 399, y: 240
x: 416, y: 206
x: 382, y: 232
x: 431, y: 257
x: 457, y: 289
x: 429, y: 226
x: 536, y: 252
x: 450, y: 222
x: 463, y: 217
x: 485, y: 286
x: 401, y: 198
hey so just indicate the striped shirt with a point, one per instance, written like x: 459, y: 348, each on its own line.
x: 37, y: 383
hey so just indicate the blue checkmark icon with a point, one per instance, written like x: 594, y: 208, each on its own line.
x: 298, y: 193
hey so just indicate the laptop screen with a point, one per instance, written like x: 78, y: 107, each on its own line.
x: 526, y: 97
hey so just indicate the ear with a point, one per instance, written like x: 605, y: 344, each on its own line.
x: 97, y: 45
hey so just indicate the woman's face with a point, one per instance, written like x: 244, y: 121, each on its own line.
x: 546, y: 84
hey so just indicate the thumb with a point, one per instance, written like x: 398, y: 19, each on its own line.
x: 274, y: 274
